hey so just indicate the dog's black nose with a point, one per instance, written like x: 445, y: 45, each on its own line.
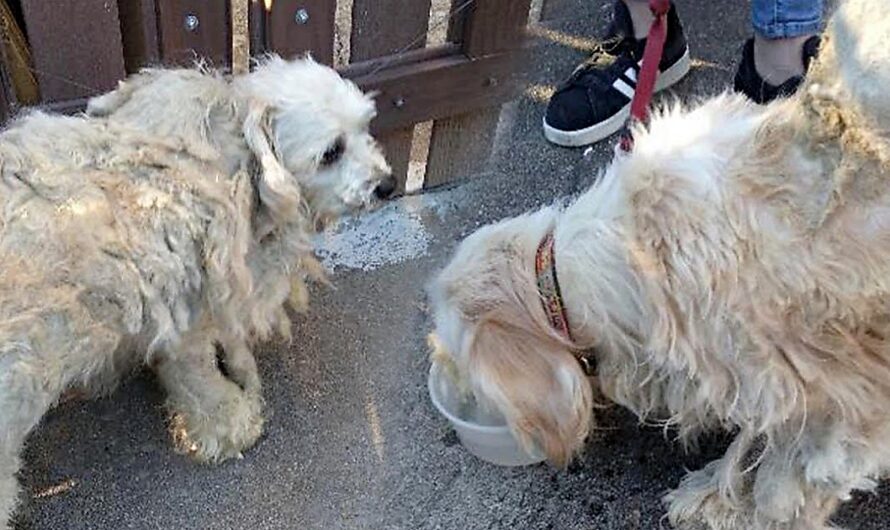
x: 386, y: 188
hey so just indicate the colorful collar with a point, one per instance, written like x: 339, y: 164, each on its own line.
x: 552, y: 302
x: 548, y: 287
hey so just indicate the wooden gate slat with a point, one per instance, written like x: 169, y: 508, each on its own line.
x: 495, y: 26
x: 291, y: 32
x: 181, y: 43
x: 460, y: 145
x: 7, y: 94
x: 75, y: 46
x: 396, y: 146
x: 256, y: 22
x: 384, y: 27
x: 139, y: 29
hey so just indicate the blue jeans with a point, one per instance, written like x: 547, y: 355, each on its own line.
x: 781, y: 19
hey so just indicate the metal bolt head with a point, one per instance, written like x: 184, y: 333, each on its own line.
x: 191, y: 22
x: 301, y: 16
x: 399, y: 102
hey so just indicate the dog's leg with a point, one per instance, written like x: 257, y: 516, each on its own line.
x: 805, y: 475
x: 240, y: 365
x: 42, y: 354
x: 715, y: 497
x: 792, y: 481
x: 213, y: 419
x: 26, y: 393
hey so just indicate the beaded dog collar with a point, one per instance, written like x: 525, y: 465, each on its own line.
x: 552, y: 302
x: 548, y: 287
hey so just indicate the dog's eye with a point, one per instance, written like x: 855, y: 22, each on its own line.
x: 334, y: 152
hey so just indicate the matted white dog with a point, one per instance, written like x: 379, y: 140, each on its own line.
x: 732, y: 272
x: 171, y: 227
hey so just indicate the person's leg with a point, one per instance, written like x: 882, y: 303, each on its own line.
x: 641, y: 15
x: 781, y: 27
x: 785, y: 41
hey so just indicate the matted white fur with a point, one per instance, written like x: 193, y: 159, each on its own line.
x: 732, y: 272
x: 170, y: 226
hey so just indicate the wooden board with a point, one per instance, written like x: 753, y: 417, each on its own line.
x: 384, y: 27
x: 256, y: 16
x: 7, y: 95
x: 75, y: 46
x: 291, y: 32
x: 411, y: 93
x: 139, y: 29
x: 439, y: 88
x: 209, y: 40
x: 495, y: 26
x: 381, y: 28
x: 397, y: 147
x: 460, y: 146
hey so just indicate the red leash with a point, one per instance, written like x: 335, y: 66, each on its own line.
x: 639, y: 107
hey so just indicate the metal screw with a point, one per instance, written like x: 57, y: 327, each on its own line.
x: 492, y: 81
x: 301, y: 16
x: 399, y: 102
x: 191, y: 22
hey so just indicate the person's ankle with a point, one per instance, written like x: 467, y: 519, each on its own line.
x: 778, y: 60
x: 641, y: 16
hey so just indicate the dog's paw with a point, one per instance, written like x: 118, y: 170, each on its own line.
x: 223, y: 433
x: 698, y: 504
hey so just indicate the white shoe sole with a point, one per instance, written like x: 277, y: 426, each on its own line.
x: 606, y: 128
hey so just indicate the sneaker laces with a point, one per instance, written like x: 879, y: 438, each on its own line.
x: 619, y: 42
x: 592, y: 71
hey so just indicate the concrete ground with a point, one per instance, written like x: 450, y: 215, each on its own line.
x: 352, y: 440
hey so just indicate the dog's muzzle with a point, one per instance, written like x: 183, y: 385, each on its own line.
x: 386, y: 188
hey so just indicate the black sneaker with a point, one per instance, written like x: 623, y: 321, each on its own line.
x: 595, y: 101
x: 749, y: 82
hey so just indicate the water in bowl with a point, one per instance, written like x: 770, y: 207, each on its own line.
x: 472, y: 411
x: 464, y: 405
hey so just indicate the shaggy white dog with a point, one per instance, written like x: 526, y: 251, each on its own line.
x: 170, y: 226
x: 732, y: 272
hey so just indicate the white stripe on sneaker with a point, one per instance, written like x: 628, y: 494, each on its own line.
x: 624, y: 88
x: 631, y: 73
x: 630, y: 82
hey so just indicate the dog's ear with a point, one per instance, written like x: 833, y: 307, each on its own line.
x: 278, y: 189
x: 536, y: 382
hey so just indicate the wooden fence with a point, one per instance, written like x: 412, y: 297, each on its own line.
x: 76, y: 49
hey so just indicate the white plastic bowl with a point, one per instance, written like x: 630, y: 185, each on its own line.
x: 483, y: 434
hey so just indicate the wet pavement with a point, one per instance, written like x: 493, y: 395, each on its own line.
x: 352, y: 440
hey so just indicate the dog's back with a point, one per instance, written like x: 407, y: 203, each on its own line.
x: 123, y: 215
x: 196, y: 107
